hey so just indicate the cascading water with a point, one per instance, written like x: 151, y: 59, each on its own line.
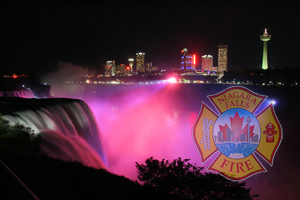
x: 67, y: 126
x: 23, y: 93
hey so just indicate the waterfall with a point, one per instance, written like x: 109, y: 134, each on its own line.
x: 67, y: 126
x: 24, y: 93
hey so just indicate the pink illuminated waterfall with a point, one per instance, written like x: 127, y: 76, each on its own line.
x: 23, y: 93
x: 68, y: 130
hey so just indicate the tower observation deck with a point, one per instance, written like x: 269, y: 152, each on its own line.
x: 265, y: 38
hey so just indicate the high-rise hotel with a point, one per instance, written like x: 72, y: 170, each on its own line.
x: 140, y: 62
x: 222, y: 58
x: 187, y: 61
x: 110, y: 68
x: 207, y: 62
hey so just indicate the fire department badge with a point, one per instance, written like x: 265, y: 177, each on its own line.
x: 237, y: 134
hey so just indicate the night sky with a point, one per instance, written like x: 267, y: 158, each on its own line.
x: 35, y: 37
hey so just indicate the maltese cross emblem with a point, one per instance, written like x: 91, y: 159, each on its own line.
x: 232, y: 139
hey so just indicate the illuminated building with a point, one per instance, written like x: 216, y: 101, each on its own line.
x: 128, y: 71
x: 140, y: 62
x: 265, y: 38
x: 222, y: 57
x: 131, y: 60
x: 150, y: 69
x: 187, y: 61
x: 207, y: 62
x: 110, y: 68
x: 120, y: 70
x: 123, y: 70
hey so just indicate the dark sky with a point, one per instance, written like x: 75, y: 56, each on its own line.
x: 36, y: 36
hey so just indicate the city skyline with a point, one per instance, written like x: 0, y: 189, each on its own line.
x: 38, y: 36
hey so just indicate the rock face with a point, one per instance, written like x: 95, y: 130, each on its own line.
x: 67, y: 126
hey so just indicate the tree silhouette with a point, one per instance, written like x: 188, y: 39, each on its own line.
x: 188, y: 182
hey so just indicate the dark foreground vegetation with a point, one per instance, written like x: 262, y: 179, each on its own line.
x: 187, y: 181
x: 50, y: 178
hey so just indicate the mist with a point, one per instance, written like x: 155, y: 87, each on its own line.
x: 141, y: 121
x: 65, y: 72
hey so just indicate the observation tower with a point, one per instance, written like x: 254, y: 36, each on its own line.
x: 265, y: 38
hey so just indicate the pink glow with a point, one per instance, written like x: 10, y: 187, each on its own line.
x: 57, y: 145
x: 136, y: 123
x: 143, y: 125
x: 172, y: 80
x: 24, y: 93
